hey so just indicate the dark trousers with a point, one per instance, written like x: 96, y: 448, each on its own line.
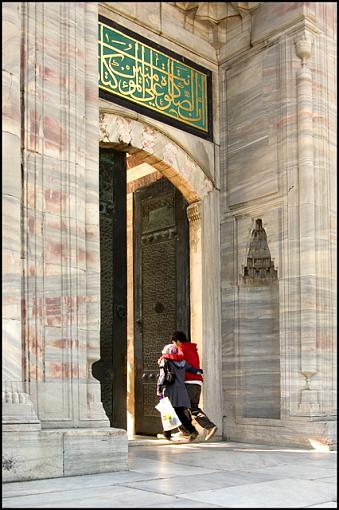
x: 186, y: 419
x: 194, y: 392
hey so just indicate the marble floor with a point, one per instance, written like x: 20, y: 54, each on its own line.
x: 193, y: 475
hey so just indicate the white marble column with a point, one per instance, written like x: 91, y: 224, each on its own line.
x: 308, y: 301
x: 195, y: 258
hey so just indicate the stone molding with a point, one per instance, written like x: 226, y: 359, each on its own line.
x: 214, y: 16
x: 216, y: 12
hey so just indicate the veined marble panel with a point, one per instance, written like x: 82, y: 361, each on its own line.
x: 251, y: 106
x: 259, y: 352
x: 11, y: 165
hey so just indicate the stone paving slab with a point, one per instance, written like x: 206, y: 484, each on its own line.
x: 72, y: 483
x: 214, y: 480
x: 108, y: 497
x: 227, y: 458
x: 209, y: 475
x: 287, y: 493
x: 166, y: 468
x: 303, y: 470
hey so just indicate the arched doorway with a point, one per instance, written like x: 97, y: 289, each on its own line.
x: 152, y: 156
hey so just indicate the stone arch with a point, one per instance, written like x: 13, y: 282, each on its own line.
x: 158, y: 150
x: 167, y: 157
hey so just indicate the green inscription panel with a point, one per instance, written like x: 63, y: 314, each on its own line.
x: 141, y: 75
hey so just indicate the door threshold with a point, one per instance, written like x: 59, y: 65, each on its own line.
x: 138, y: 440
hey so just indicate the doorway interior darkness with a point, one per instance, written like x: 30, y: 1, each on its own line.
x: 160, y: 281
x: 111, y: 369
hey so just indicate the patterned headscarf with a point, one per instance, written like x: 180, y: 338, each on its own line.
x: 169, y: 349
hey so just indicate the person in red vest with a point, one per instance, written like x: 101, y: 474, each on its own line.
x: 193, y: 382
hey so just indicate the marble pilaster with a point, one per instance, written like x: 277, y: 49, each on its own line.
x: 194, y: 215
x: 196, y: 291
x: 211, y: 308
x: 309, y: 402
x: 61, y: 185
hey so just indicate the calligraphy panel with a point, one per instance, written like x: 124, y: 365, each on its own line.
x: 144, y: 76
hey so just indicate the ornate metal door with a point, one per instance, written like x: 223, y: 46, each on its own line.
x: 111, y: 369
x: 161, y: 288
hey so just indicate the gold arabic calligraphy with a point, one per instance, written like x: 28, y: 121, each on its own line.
x: 147, y: 76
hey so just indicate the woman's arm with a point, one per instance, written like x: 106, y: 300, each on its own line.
x: 174, y: 357
x: 160, y: 381
x: 198, y: 371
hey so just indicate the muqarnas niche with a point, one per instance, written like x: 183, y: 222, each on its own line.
x: 259, y: 343
x: 260, y: 267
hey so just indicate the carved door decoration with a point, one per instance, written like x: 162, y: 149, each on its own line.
x: 161, y: 287
x: 111, y: 369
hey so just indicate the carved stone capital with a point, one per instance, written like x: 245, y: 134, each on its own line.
x: 303, y: 47
x: 194, y: 212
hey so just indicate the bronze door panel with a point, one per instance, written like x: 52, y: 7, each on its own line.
x: 161, y: 288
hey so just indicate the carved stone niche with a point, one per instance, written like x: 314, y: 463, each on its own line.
x: 260, y: 267
x: 213, y: 16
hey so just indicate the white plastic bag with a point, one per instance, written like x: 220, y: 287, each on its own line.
x: 169, y: 417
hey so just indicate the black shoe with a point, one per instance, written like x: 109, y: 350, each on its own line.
x: 164, y: 436
x: 194, y: 435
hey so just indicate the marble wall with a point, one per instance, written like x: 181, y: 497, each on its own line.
x: 277, y: 165
x: 51, y: 234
